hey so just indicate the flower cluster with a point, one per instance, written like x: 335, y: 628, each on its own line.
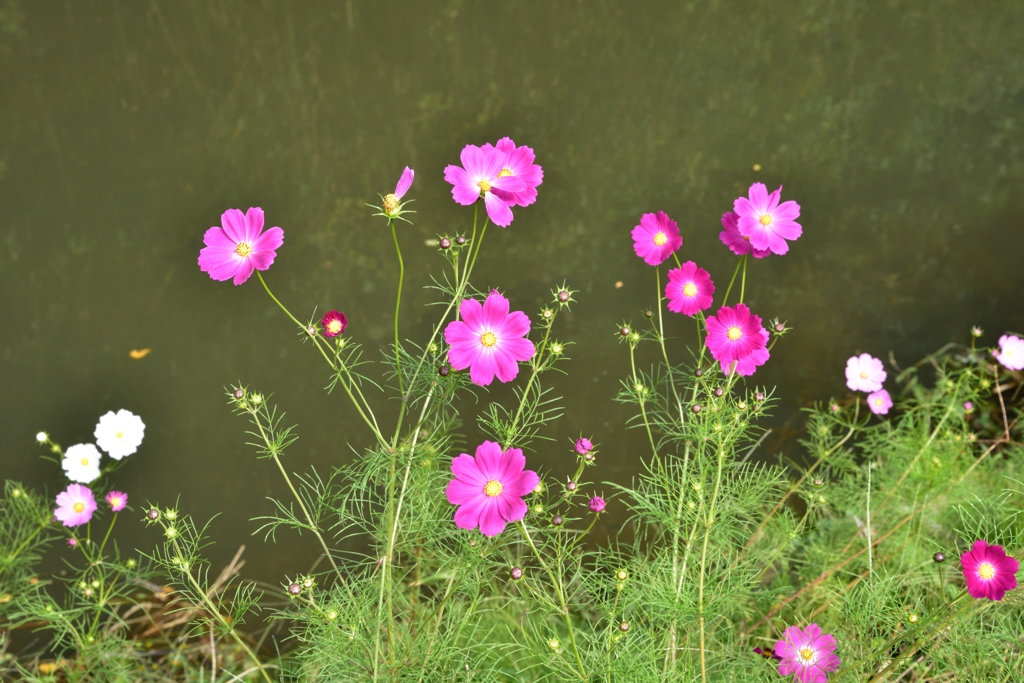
x: 503, y: 175
x: 118, y: 434
x: 866, y: 373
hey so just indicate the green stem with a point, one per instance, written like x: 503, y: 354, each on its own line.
x: 743, y: 282
x: 703, y: 563
x: 536, y: 367
x: 725, y: 299
x: 643, y: 410
x: 398, y: 303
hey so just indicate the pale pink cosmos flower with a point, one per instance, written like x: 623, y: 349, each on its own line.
x: 1011, y: 352
x: 239, y: 246
x: 489, y: 340
x: 116, y: 500
x: 656, y: 238
x: 75, y: 505
x: 489, y: 488
x: 736, y: 242
x: 989, y: 571
x: 392, y: 202
x: 879, y: 402
x: 737, y: 340
x: 767, y: 223
x: 864, y: 373
x: 481, y: 176
x: 689, y: 289
x: 807, y: 654
x: 518, y: 163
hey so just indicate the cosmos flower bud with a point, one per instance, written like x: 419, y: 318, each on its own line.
x: 695, y: 408
x: 698, y: 373
x: 624, y: 331
x: 557, y: 520
x: 759, y: 397
x: 516, y: 573
x: 719, y: 391
x: 294, y: 589
x: 597, y: 505
x: 153, y: 514
x: 443, y: 370
x: 624, y: 626
x: 570, y: 486
x: 648, y: 314
x: 583, y: 445
x: 622, y: 575
x: 976, y: 331
x: 939, y: 557
x: 547, y: 314
x: 445, y: 243
x: 563, y: 295
x: 239, y: 393
x: 460, y: 240
x: 554, y: 644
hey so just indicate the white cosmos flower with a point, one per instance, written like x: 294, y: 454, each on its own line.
x: 120, y: 433
x: 82, y: 463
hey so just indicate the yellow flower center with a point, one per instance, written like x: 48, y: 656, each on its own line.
x: 492, y: 488
x: 115, y: 501
x: 85, y: 462
x: 766, y: 220
x: 690, y: 289
x: 986, y: 570
x: 878, y: 401
x: 243, y: 249
x: 734, y: 333
x: 660, y: 238
x: 334, y: 327
x: 390, y: 204
x: 504, y: 172
x: 78, y: 507
x: 863, y: 375
x: 484, y: 186
x: 806, y: 654
x: 488, y: 339
x: 119, y: 435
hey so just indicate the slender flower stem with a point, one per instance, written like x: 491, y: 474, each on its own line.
x: 398, y: 303
x: 643, y: 410
x: 709, y: 520
x: 743, y: 282
x: 725, y: 299
x: 536, y: 367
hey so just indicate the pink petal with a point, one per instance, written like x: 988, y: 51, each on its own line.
x: 472, y: 311
x: 233, y: 222
x: 509, y: 183
x: 787, y: 229
x: 518, y: 349
x: 786, y: 211
x: 489, y: 460
x: 460, y: 493
x: 495, y: 311
x: 498, y: 210
x: 464, y: 191
x: 524, y: 484
x: 253, y: 224
x: 773, y: 200
x: 468, y: 515
x: 742, y: 207
x: 216, y: 237
x: 483, y: 369
x: 244, y: 272
x: 220, y: 263
x: 473, y: 160
x: 758, y: 198
x: 491, y: 523
x: 458, y: 332
x: 464, y: 467
x: 464, y: 355
x: 269, y: 241
x: 405, y: 182
x: 517, y: 324
x: 505, y: 367
x: 511, y: 508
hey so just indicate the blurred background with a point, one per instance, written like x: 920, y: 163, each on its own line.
x: 127, y: 128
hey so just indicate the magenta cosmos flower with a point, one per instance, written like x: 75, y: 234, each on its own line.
x: 807, y: 654
x: 732, y: 238
x: 864, y: 373
x: 489, y: 488
x: 334, y: 323
x: 489, y: 340
x: 583, y: 445
x: 737, y: 339
x: 393, y: 202
x: 240, y: 246
x: 518, y: 163
x: 989, y: 571
x: 597, y: 505
x: 1011, y: 352
x: 767, y: 223
x: 481, y: 176
x: 75, y: 505
x: 689, y: 289
x: 116, y: 500
x: 879, y: 402
x: 656, y: 238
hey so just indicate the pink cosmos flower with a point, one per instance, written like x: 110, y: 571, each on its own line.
x: 807, y: 654
x: 689, y: 289
x: 735, y: 336
x: 879, y: 402
x: 767, y: 223
x: 392, y: 202
x: 116, y: 500
x: 489, y: 340
x: 334, y: 323
x: 968, y: 406
x: 583, y: 445
x: 989, y: 571
x: 736, y: 242
x: 518, y: 163
x: 489, y: 489
x: 656, y: 238
x: 864, y: 373
x: 240, y: 246
x: 597, y: 504
x: 73, y: 542
x: 1011, y: 352
x: 75, y: 505
x: 481, y: 176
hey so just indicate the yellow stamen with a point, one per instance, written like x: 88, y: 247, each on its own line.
x: 766, y: 220
x: 488, y: 339
x: 689, y: 289
x: 807, y: 654
x: 390, y: 204
x: 734, y: 333
x: 243, y: 249
x: 79, y: 507
x: 863, y: 375
x: 504, y: 172
x: 85, y: 462
x: 660, y: 238
x: 986, y: 570
x: 334, y: 327
x: 119, y: 435
x: 484, y: 186
x: 492, y: 488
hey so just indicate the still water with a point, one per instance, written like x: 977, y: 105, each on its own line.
x: 126, y: 128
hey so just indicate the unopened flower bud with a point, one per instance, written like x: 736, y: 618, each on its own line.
x: 968, y: 406
x: 239, y: 393
x: 583, y: 445
x: 912, y: 618
x: 557, y: 520
x: 554, y: 644
x: 597, y: 505
x: 976, y: 331
x: 171, y: 514
x: 570, y: 486
x: 620, y: 586
x: 563, y: 295
x: 624, y: 331
x: 648, y: 313
x: 698, y: 373
x: 759, y: 397
x: 547, y: 314
x: 311, y: 331
x: 294, y: 589
x: 539, y: 488
x: 537, y: 509
x: 171, y: 532
x: 695, y: 408
x: 516, y: 573
x: 131, y: 563
x: 443, y: 370
x: 780, y: 327
x: 819, y: 482
x: 87, y: 592
x: 939, y: 557
x: 153, y: 514
x: 741, y: 405
x: 589, y: 457
x: 719, y: 391
x: 624, y: 626
x: 445, y: 243
x: 460, y: 240
x: 307, y: 582
x: 332, y: 615
x: 556, y: 349
x: 622, y: 575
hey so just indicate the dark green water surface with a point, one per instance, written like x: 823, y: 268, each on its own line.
x: 126, y: 128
